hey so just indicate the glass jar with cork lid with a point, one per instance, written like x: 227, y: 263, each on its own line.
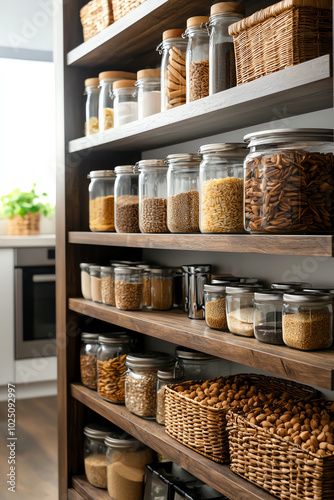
x: 125, y: 102
x: 106, y: 101
x: 149, y: 95
x: 126, y: 199
x: 92, y: 91
x: 101, y: 200
x: 197, y: 58
x: 152, y: 196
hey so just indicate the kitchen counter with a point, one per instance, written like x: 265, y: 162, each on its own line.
x: 40, y: 240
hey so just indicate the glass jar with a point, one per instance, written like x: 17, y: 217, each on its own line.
x: 268, y: 305
x: 126, y: 460
x: 161, y: 288
x: 129, y: 288
x: 149, y: 95
x: 141, y: 381
x: 285, y: 285
x: 307, y: 320
x: 222, y: 68
x: 221, y: 188
x: 173, y: 69
x: 182, y: 192
x: 125, y: 102
x: 106, y: 104
x: 197, y: 58
x: 95, y: 454
x: 101, y: 200
x: 153, y: 196
x: 95, y: 283
x: 108, y: 285
x: 147, y: 288
x: 85, y: 280
x: 299, y: 197
x: 197, y: 365
x: 88, y: 354
x: 126, y: 200
x: 215, y: 306
x: 92, y: 92
x: 240, y: 309
x: 165, y: 377
x: 111, y: 355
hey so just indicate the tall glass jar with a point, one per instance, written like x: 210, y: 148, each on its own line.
x: 108, y: 285
x: 289, y: 186
x: 126, y: 200
x: 268, y: 305
x: 149, y: 95
x: 95, y: 283
x: 161, y: 280
x: 88, y: 354
x: 92, y: 92
x: 222, y: 69
x: 125, y: 102
x: 165, y: 377
x: 153, y: 196
x: 182, y: 192
x: 197, y: 365
x: 215, y: 306
x: 173, y: 69
x: 95, y: 454
x: 240, y: 309
x: 197, y: 58
x: 129, y: 288
x: 221, y: 188
x: 85, y: 280
x: 101, y: 200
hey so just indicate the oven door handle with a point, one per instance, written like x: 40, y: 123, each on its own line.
x: 43, y: 278
x: 18, y: 311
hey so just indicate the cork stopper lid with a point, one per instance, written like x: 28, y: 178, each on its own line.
x: 177, y: 33
x: 219, y: 8
x: 123, y: 84
x: 147, y: 73
x: 120, y: 75
x: 92, y: 82
x: 197, y: 21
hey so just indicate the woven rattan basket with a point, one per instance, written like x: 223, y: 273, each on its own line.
x: 23, y: 226
x: 282, y: 35
x: 95, y: 17
x: 122, y: 7
x: 203, y: 428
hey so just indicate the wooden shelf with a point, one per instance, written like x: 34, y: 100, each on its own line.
x: 86, y: 491
x: 301, y: 89
x: 218, y: 476
x: 175, y: 326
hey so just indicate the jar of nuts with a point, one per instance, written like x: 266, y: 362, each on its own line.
x: 95, y: 454
x: 126, y: 200
x: 129, y: 288
x: 101, y: 200
x: 88, y: 356
x: 197, y: 365
x: 215, y: 306
x: 240, y: 309
x: 197, y: 58
x: 152, y: 196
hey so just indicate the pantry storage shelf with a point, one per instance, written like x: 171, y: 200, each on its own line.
x: 179, y: 329
x: 86, y: 491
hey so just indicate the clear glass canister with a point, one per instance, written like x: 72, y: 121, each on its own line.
x: 141, y: 381
x: 197, y: 365
x: 285, y: 285
x: 240, y: 309
x: 222, y: 68
x: 182, y: 191
x: 268, y: 305
x: 108, y: 285
x: 92, y: 92
x: 85, y: 280
x: 153, y: 196
x: 126, y: 199
x: 88, y: 354
x: 101, y: 200
x: 95, y: 454
x: 215, y: 306
x: 308, y: 320
x: 221, y: 188
x: 125, y: 102
x: 173, y: 69
x: 197, y: 58
x: 111, y: 356
x: 149, y: 95
x: 95, y: 283
x: 129, y: 288
x: 172, y: 376
x: 161, y: 288
x: 289, y: 186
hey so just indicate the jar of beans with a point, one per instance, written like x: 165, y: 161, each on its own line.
x: 88, y: 353
x: 101, y: 200
x: 197, y: 58
x: 215, y: 306
x: 153, y: 196
x: 126, y: 199
x: 129, y: 288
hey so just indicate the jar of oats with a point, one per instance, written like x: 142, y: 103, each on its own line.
x: 88, y: 354
x: 95, y: 454
x: 101, y: 200
x: 215, y: 306
x: 129, y: 288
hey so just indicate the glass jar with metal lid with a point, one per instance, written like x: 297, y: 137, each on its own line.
x: 129, y: 288
x: 197, y: 365
x: 95, y: 454
x: 88, y: 356
x: 125, y: 102
x: 307, y: 320
x: 284, y: 285
x: 85, y: 280
x: 161, y: 288
x: 165, y: 377
x: 149, y: 95
x: 215, y: 306
x: 240, y: 309
x: 197, y: 58
x: 92, y: 92
x: 108, y: 285
x: 289, y: 187
x: 95, y: 283
x: 152, y: 196
x: 268, y: 305
x: 101, y: 200
x: 221, y: 188
x: 141, y: 381
x: 126, y: 199
x: 182, y: 192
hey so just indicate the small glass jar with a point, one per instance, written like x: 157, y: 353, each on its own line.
x: 129, y: 288
x: 88, y: 354
x: 221, y: 188
x: 149, y: 95
x: 215, y: 306
x: 268, y: 305
x: 141, y: 381
x: 85, y: 280
x: 152, y: 196
x: 307, y: 320
x: 197, y: 365
x: 285, y: 285
x: 125, y: 102
x: 126, y: 199
x: 240, y: 309
x: 101, y: 200
x: 92, y: 92
x: 197, y: 58
x: 222, y: 68
x: 95, y: 454
x: 299, y: 198
x: 161, y: 288
x: 173, y: 69
x: 108, y: 285
x: 182, y: 192
x: 172, y: 376
x: 95, y: 283
x: 111, y: 356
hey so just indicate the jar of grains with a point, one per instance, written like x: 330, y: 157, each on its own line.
x: 126, y: 199
x: 85, y: 280
x: 141, y: 381
x: 101, y: 200
x: 153, y: 196
x: 125, y: 102
x: 149, y: 95
x: 111, y: 357
x: 307, y: 320
x: 289, y: 183
x: 173, y: 69
x: 215, y: 306
x: 294, y: 285
x: 240, y: 309
x: 268, y: 305
x: 126, y: 461
x: 161, y: 288
x: 221, y: 188
x: 95, y: 283
x: 182, y: 191
x: 95, y: 454
x: 129, y: 288
x: 88, y: 354
x: 108, y: 285
x: 197, y: 365
x: 92, y: 92
x: 197, y: 58
x: 165, y: 377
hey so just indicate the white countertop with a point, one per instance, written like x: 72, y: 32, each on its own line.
x: 40, y: 240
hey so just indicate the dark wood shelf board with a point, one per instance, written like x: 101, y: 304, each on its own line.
x: 314, y: 368
x: 301, y: 89
x: 218, y: 476
x: 86, y: 491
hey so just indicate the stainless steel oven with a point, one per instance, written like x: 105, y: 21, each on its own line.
x: 35, y: 298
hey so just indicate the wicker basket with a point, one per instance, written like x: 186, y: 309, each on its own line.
x: 122, y: 7
x: 282, y: 35
x: 23, y: 226
x: 95, y: 17
x: 203, y: 428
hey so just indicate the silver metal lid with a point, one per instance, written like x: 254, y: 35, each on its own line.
x: 173, y: 374
x: 149, y: 360
x: 186, y: 159
x: 94, y: 268
x: 281, y: 285
x: 115, y: 338
x: 197, y: 268
x: 218, y: 287
x: 289, y: 135
x: 185, y: 353
x: 97, y: 431
x: 121, y: 440
x: 301, y: 296
x: 100, y: 173
x: 242, y: 288
x: 124, y: 169
x: 269, y: 295
x: 85, y: 265
x: 222, y: 147
x: 319, y: 290
x: 107, y: 269
x: 143, y: 164
x: 128, y: 270
x: 89, y: 337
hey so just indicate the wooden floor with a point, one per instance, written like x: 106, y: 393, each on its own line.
x: 36, y: 460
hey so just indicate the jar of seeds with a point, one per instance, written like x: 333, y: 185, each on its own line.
x: 88, y: 353
x: 126, y: 199
x: 108, y: 285
x: 129, y: 288
x: 153, y: 196
x: 197, y: 58
x: 215, y: 306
